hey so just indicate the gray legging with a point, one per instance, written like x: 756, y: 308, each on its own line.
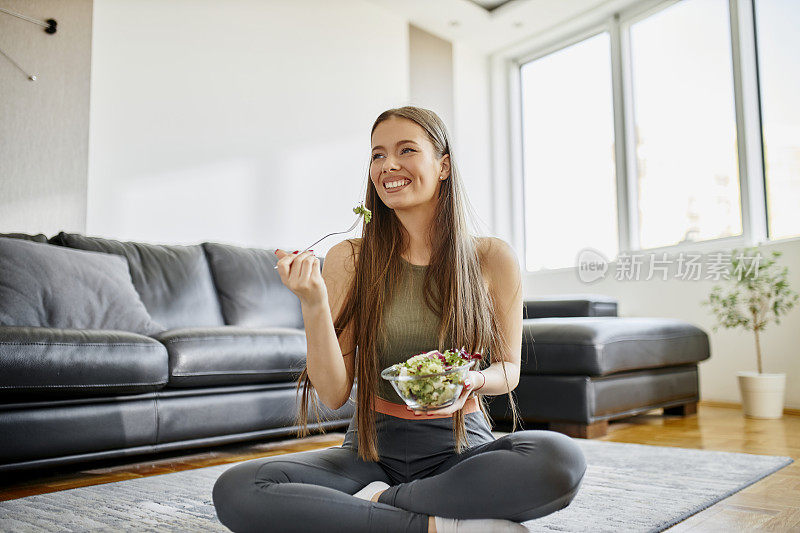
x: 519, y: 476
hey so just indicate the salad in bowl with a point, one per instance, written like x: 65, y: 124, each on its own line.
x: 431, y: 380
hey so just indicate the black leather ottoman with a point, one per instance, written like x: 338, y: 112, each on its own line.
x: 578, y: 373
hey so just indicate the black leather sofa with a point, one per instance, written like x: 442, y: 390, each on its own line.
x: 583, y: 366
x: 219, y: 365
x: 191, y: 346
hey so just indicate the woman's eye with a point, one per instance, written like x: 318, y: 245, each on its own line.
x: 401, y: 151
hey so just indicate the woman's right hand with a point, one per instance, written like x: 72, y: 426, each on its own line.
x: 301, y: 274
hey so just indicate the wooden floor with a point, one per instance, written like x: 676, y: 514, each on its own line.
x: 772, y: 504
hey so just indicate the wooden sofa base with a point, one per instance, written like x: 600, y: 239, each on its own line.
x: 595, y: 429
x: 600, y: 428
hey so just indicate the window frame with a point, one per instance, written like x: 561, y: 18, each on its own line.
x: 616, y: 19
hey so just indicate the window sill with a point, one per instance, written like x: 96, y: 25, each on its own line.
x: 704, y: 247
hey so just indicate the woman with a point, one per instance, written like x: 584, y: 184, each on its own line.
x: 415, y: 280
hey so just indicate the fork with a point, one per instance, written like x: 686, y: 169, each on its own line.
x: 329, y: 234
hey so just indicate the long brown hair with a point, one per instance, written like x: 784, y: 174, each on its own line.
x: 453, y: 289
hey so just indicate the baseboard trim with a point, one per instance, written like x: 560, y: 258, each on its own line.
x: 735, y: 405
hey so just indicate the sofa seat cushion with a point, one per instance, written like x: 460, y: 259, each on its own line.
x: 173, y: 281
x: 597, y: 346
x: 250, y: 290
x: 227, y: 355
x: 561, y: 305
x: 75, y: 363
x: 50, y: 286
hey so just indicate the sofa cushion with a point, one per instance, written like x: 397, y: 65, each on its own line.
x: 39, y: 237
x: 174, y: 281
x: 227, y: 355
x: 51, y: 362
x: 250, y: 290
x: 597, y: 346
x: 560, y: 305
x: 48, y: 286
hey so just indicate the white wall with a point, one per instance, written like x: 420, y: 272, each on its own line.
x: 472, y: 130
x: 242, y: 121
x: 44, y: 124
x: 431, y: 73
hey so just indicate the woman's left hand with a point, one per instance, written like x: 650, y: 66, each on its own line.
x: 469, y: 384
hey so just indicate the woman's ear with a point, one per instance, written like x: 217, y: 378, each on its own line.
x: 444, y: 166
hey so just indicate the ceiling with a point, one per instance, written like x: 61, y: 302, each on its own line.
x: 488, y: 5
x: 491, y: 25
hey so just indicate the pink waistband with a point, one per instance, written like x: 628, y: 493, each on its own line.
x: 400, y: 410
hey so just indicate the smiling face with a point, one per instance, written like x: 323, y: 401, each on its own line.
x: 404, y: 156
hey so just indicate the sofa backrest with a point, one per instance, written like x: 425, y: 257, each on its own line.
x: 47, y: 286
x: 39, y: 237
x: 569, y: 305
x: 250, y: 290
x: 173, y: 281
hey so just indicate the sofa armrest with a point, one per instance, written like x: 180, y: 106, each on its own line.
x: 569, y: 305
x: 78, y: 362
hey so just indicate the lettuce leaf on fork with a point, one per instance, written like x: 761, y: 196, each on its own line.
x: 361, y: 210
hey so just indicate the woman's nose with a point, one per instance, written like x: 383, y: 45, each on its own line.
x: 389, y: 163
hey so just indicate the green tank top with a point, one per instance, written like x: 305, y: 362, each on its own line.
x: 411, y: 327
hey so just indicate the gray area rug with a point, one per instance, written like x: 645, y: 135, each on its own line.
x: 627, y: 487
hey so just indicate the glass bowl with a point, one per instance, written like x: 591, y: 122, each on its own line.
x: 428, y: 391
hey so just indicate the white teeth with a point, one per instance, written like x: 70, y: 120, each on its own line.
x: 394, y: 184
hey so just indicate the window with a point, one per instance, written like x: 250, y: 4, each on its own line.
x: 662, y: 76
x: 686, y: 173
x: 568, y: 154
x: 779, y: 78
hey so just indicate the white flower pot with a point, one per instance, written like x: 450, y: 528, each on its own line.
x: 762, y: 394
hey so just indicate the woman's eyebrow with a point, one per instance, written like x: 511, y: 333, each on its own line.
x: 398, y: 144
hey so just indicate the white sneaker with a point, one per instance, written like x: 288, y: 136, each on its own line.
x: 371, y: 490
x: 477, y: 525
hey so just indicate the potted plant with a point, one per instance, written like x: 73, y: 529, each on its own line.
x: 757, y: 294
